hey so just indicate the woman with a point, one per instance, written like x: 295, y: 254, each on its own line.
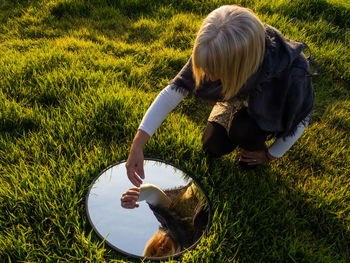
x: 259, y: 80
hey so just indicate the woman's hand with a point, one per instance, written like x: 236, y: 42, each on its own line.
x: 256, y: 157
x: 134, y: 164
x: 130, y: 197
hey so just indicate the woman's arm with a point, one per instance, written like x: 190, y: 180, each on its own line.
x: 281, y: 146
x: 165, y: 102
x: 276, y: 150
x: 134, y: 163
x: 148, y: 192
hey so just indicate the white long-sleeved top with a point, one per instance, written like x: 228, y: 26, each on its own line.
x: 154, y: 196
x: 169, y: 98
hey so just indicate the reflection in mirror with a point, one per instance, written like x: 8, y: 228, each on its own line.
x: 165, y: 216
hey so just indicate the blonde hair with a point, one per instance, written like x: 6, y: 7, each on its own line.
x: 230, y: 45
x: 160, y: 245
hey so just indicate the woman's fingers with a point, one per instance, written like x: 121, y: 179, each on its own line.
x: 248, y: 154
x: 133, y: 189
x: 133, y: 176
x: 250, y: 161
x: 139, y: 169
x: 132, y: 192
x: 130, y: 197
x: 134, y: 167
x: 129, y: 205
x: 252, y: 158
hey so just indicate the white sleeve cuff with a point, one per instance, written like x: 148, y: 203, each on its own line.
x: 164, y: 103
x: 280, y: 146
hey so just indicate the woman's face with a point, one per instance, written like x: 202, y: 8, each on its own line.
x: 213, y: 78
x: 161, y: 246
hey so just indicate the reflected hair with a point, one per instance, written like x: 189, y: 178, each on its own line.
x: 160, y: 245
x: 230, y: 46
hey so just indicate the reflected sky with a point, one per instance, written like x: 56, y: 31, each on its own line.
x: 128, y: 229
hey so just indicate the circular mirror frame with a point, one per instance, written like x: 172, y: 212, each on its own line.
x: 141, y: 257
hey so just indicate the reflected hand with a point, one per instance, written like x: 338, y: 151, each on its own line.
x: 130, y: 197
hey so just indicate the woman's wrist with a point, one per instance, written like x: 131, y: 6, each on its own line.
x: 140, y: 140
x: 269, y: 157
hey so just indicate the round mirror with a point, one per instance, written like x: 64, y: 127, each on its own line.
x: 164, y: 217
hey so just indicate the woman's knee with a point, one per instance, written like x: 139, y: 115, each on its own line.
x: 246, y: 133
x: 250, y: 138
x: 216, y: 141
x: 211, y: 148
x: 245, y: 140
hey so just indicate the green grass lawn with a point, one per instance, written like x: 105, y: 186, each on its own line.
x: 76, y: 78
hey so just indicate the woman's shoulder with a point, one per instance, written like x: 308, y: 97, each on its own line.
x: 280, y: 52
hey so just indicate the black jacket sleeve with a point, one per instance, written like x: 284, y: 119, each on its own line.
x: 184, y: 80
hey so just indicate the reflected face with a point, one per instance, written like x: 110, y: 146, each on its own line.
x: 160, y: 245
x: 168, y: 200
x: 213, y: 78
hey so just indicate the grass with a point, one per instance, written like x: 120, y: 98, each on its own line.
x: 76, y: 78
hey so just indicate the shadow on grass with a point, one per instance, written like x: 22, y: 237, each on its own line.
x: 279, y: 222
x: 18, y: 127
x: 108, y: 19
x: 316, y: 9
x: 14, y: 8
x: 313, y: 9
x: 117, y: 18
x: 15, y: 120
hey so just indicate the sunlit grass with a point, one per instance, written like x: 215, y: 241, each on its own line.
x: 76, y: 78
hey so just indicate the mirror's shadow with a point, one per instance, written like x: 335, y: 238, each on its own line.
x: 165, y: 217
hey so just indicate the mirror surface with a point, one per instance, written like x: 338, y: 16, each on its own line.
x: 171, y: 216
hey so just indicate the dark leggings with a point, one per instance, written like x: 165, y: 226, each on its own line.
x: 244, y: 132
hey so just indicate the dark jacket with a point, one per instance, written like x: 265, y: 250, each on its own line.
x: 280, y: 92
x: 182, y: 232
